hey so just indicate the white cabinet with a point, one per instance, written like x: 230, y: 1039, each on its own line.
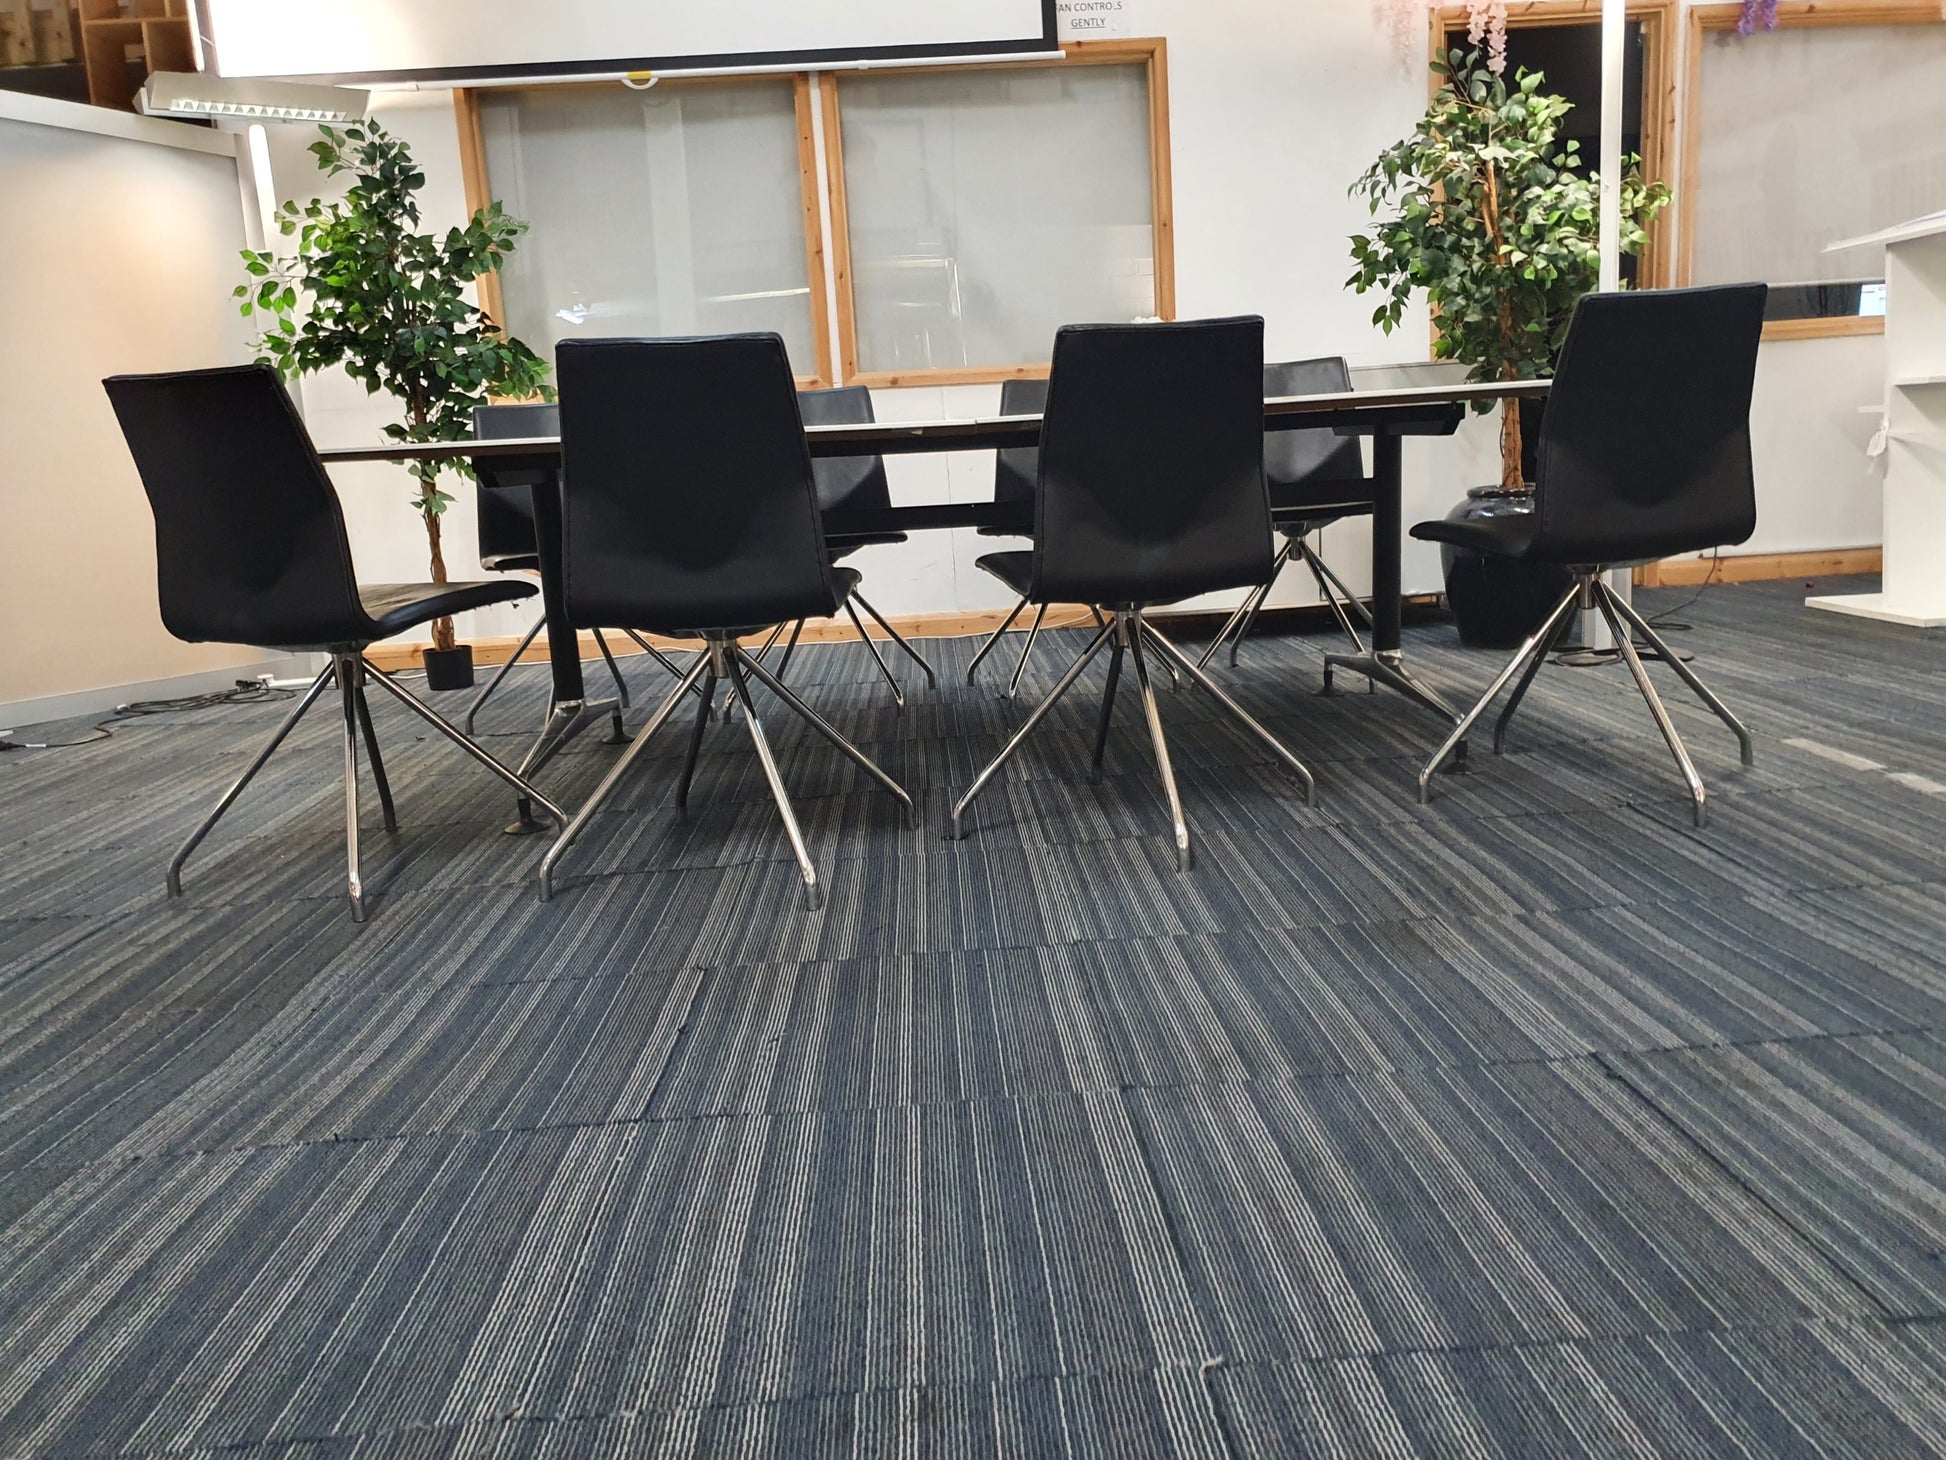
x: 1914, y: 588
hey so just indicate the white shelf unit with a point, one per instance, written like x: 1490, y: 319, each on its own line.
x: 1914, y: 534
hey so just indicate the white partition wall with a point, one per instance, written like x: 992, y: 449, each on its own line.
x: 118, y: 250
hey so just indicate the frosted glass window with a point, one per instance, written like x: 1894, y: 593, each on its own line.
x: 675, y: 211
x: 1809, y: 135
x: 988, y: 208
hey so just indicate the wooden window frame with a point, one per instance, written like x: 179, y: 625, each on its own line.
x: 1791, y: 14
x: 479, y: 192
x: 1658, y: 19
x: 1152, y: 52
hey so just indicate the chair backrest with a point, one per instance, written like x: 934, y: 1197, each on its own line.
x: 1016, y: 469
x: 688, y: 499
x: 250, y: 541
x: 845, y: 481
x: 1152, y: 463
x: 1645, y: 443
x: 1312, y: 466
x: 504, y: 496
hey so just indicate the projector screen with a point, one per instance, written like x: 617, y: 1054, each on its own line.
x: 448, y: 41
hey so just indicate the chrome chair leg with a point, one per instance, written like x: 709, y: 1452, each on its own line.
x: 830, y: 732
x: 1534, y: 663
x: 1745, y: 745
x: 310, y: 698
x: 1257, y: 602
x: 898, y: 695
x: 1107, y: 709
x: 670, y: 667
x: 1013, y: 685
x: 1027, y: 727
x: 1459, y: 732
x: 501, y: 673
x: 932, y: 680
x: 993, y: 638
x: 813, y: 889
x: 770, y: 643
x: 1356, y: 603
x: 572, y: 828
x: 703, y: 718
x: 378, y: 765
x: 1316, y: 565
x: 790, y: 648
x: 1238, y: 623
x: 1242, y: 716
x: 1131, y: 640
x: 348, y: 693
x: 1698, y: 796
x: 529, y: 797
x: 614, y: 669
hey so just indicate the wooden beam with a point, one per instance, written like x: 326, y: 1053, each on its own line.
x: 807, y: 174
x: 1760, y: 567
x: 834, y: 179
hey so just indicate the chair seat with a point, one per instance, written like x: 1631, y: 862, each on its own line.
x: 511, y: 562
x: 1018, y: 522
x: 1015, y: 569
x: 1302, y: 521
x: 396, y: 607
x: 840, y: 547
x: 846, y: 580
x: 1500, y: 537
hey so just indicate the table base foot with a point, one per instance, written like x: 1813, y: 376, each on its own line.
x: 1391, y: 672
x: 567, y: 719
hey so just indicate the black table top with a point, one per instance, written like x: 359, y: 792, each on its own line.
x: 1409, y: 410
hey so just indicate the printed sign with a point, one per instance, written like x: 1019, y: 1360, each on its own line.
x: 1080, y: 20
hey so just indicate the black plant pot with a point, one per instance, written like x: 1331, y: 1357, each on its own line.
x: 1497, y: 603
x: 449, y: 668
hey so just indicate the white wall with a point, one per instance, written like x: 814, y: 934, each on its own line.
x: 117, y: 254
x: 1275, y: 105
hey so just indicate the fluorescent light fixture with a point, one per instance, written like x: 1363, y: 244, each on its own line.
x: 199, y: 94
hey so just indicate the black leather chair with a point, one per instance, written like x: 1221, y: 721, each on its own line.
x: 692, y: 512
x: 506, y: 533
x: 1150, y: 490
x: 857, y: 482
x: 1316, y: 478
x: 251, y: 549
x: 1644, y: 452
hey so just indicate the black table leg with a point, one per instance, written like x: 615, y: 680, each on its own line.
x: 570, y: 711
x: 1385, y: 665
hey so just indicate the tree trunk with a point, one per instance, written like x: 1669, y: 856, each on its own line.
x: 442, y: 628
x: 1511, y: 475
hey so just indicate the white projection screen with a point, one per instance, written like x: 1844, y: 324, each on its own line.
x: 448, y: 41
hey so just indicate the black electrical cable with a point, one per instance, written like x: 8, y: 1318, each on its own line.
x: 244, y: 692
x: 1580, y: 656
x: 1662, y: 623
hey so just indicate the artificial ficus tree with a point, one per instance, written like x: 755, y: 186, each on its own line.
x: 1489, y: 214
x: 366, y: 289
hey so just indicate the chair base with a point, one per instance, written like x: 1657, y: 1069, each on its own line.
x: 1126, y: 634
x: 852, y: 604
x: 725, y: 659
x: 1590, y: 593
x: 1297, y: 548
x: 350, y: 671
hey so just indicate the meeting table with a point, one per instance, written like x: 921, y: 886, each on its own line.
x: 1384, y: 416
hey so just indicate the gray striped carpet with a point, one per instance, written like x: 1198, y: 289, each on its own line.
x: 1534, y: 1122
